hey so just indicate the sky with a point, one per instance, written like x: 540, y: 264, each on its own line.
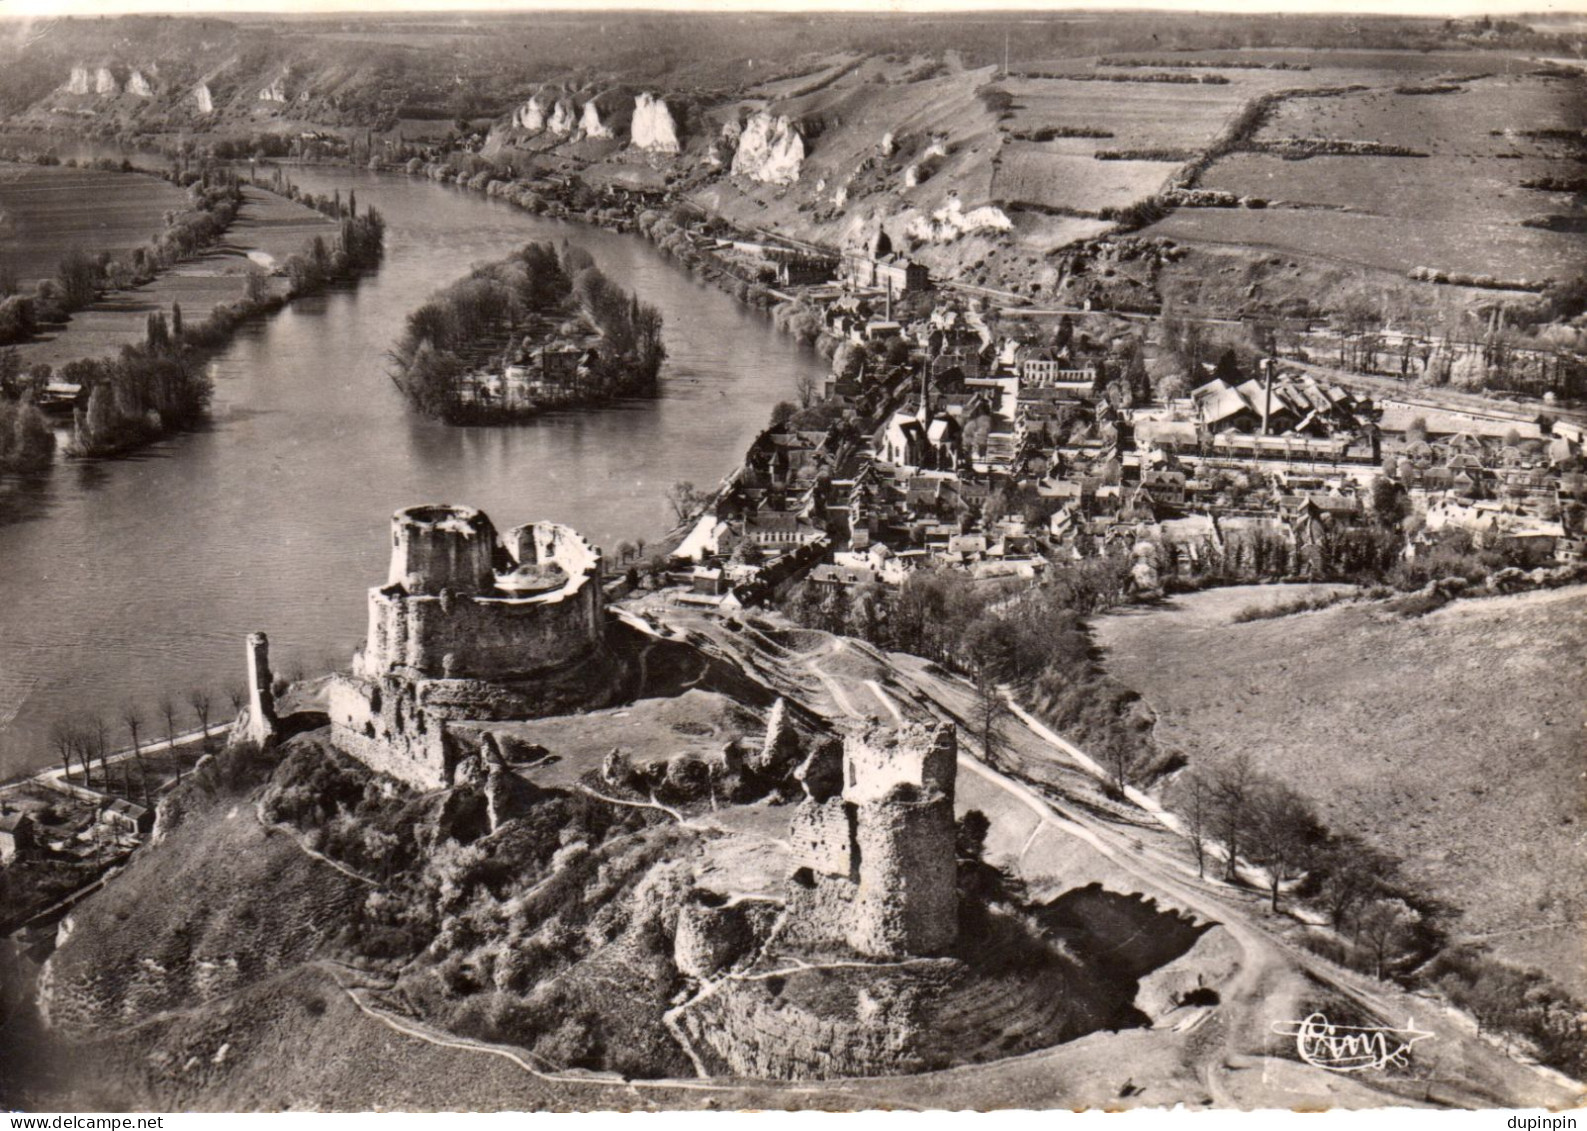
x: 1396, y: 7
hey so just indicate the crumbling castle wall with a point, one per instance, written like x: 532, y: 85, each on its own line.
x: 875, y: 867
x: 755, y: 1031
x: 878, y: 760
x: 821, y: 837
x: 445, y: 612
x: 384, y: 725
x: 469, y: 626
x: 713, y: 933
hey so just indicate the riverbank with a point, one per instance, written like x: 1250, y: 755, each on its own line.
x: 153, y: 567
x: 156, y: 384
x: 636, y: 216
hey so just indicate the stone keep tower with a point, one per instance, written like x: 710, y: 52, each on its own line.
x: 901, y: 784
x: 470, y: 625
x: 875, y: 866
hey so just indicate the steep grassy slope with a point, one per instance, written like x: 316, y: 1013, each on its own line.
x: 1454, y: 740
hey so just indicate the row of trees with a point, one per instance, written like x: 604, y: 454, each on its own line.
x: 83, y: 742
x: 81, y: 277
x: 150, y: 389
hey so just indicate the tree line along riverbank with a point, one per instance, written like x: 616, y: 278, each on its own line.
x: 154, y: 383
x: 542, y: 328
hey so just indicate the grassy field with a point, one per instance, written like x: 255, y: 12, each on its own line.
x: 1453, y: 740
x: 1458, y: 210
x: 267, y: 230
x: 1139, y: 115
x: 1042, y: 174
x: 1471, y: 245
x: 46, y: 211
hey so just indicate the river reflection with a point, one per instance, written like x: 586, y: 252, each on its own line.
x: 126, y: 580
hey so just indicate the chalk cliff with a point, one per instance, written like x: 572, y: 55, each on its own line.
x: 951, y: 221
x: 654, y: 128
x: 770, y: 150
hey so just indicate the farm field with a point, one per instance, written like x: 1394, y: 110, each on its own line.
x: 1375, y: 717
x: 1445, y: 187
x: 1457, y: 124
x: 1388, y: 243
x: 1039, y: 173
x: 1139, y: 115
x: 267, y: 230
x: 46, y: 211
x: 1464, y: 203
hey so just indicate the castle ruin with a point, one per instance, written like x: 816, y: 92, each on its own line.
x: 873, y: 851
x: 470, y: 625
x: 257, y: 723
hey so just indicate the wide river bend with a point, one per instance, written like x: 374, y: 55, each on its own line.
x: 125, y: 580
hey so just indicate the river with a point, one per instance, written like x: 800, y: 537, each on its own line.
x: 128, y: 579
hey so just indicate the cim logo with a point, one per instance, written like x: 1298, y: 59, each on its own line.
x: 1350, y: 1048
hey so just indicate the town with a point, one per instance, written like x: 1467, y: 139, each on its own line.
x: 953, y: 434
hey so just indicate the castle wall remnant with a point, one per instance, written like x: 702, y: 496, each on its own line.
x: 467, y: 625
x: 258, y: 723
x: 874, y: 866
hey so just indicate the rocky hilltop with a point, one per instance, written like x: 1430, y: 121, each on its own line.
x: 670, y: 858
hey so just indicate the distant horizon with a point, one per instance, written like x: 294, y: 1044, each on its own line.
x: 1429, y: 9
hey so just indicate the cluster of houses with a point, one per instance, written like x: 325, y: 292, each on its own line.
x: 1000, y: 457
x: 67, y: 831
x: 531, y: 376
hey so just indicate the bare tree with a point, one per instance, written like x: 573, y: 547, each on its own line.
x: 61, y: 740
x: 199, y: 700
x: 1198, y: 814
x: 1383, y: 927
x: 99, y: 734
x: 167, y: 710
x: 1353, y: 872
x: 807, y: 389
x: 990, y: 711
x: 134, y: 724
x: 236, y: 695
x: 1284, y: 836
x: 1232, y: 790
x: 684, y: 498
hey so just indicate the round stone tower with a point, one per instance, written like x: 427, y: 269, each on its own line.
x: 442, y: 547
x: 906, y: 900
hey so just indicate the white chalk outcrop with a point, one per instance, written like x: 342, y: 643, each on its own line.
x: 138, y: 85
x: 562, y: 120
x: 951, y: 221
x: 276, y: 91
x: 105, y: 82
x: 590, y: 122
x: 205, y: 100
x: 654, y: 128
x: 531, y: 116
x: 770, y: 150
x: 79, y: 81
